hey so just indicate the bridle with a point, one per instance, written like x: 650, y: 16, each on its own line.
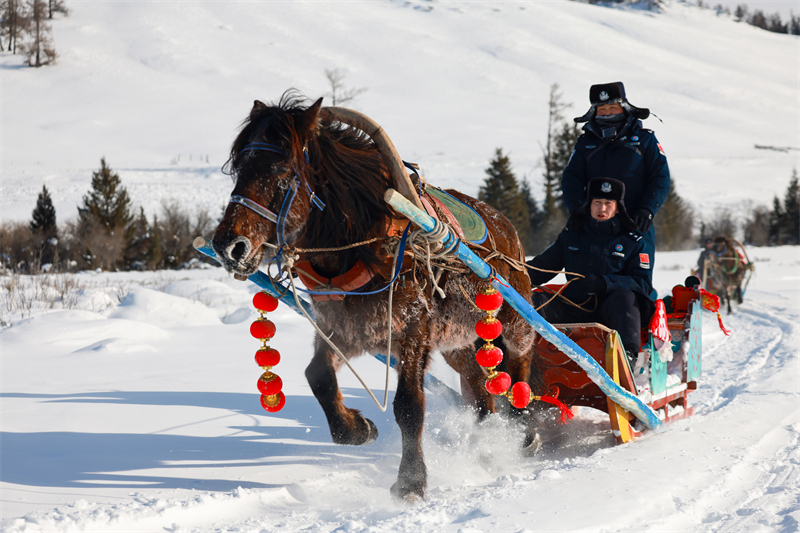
x: 280, y: 219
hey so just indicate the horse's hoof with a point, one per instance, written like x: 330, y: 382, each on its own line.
x: 406, y: 495
x: 532, y: 445
x: 372, y: 432
x: 359, y: 432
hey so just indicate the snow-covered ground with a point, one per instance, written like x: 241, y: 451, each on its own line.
x: 135, y: 407
x: 137, y: 410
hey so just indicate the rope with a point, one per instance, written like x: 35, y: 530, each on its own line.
x: 337, y: 249
x: 338, y: 352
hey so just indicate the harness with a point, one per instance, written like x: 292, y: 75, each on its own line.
x: 324, y: 288
x: 288, y: 200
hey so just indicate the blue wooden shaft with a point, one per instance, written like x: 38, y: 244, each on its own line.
x: 275, y: 290
x: 596, y: 373
x: 284, y: 294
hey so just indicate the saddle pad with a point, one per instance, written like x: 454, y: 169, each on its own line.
x: 472, y: 225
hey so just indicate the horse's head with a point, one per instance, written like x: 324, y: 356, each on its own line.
x: 722, y: 247
x: 271, y: 198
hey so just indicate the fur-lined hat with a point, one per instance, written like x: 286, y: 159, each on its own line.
x: 608, y: 189
x: 611, y: 93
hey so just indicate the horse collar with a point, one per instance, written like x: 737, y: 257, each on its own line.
x: 352, y: 280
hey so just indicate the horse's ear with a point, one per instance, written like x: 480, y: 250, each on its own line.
x: 311, y: 116
x: 258, y: 105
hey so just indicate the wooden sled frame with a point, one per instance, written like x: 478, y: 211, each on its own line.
x: 661, y: 393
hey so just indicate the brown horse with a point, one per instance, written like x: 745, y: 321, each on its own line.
x: 726, y: 268
x: 337, y: 178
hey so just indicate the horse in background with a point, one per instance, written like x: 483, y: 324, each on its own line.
x: 725, y: 269
x: 307, y: 187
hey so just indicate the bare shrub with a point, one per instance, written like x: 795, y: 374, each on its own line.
x: 723, y: 222
x: 177, y: 231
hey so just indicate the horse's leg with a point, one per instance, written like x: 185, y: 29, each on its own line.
x: 348, y: 426
x: 462, y: 360
x: 409, y: 412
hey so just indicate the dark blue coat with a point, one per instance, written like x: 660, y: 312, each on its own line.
x: 634, y: 157
x: 622, y: 258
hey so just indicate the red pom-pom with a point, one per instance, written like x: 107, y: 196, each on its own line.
x: 268, y: 357
x: 270, y: 384
x: 498, y: 384
x: 488, y: 328
x: 489, y: 356
x: 264, y: 302
x: 262, y: 329
x: 520, y: 395
x: 273, y: 403
x: 490, y: 301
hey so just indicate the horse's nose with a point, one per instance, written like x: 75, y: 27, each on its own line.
x: 239, y: 249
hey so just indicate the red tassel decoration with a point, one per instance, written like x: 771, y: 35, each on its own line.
x: 269, y: 384
x: 721, y: 326
x: 566, y: 412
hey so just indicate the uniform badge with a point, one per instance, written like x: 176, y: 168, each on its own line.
x: 635, y: 138
x: 618, y: 247
x: 661, y: 149
x: 644, y: 261
x: 605, y: 187
x: 603, y: 96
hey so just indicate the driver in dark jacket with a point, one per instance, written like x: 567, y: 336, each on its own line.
x: 615, y: 143
x: 608, y: 263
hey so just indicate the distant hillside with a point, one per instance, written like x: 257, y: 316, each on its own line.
x: 159, y: 89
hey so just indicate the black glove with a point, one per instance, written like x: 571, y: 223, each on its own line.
x: 590, y: 285
x: 643, y: 219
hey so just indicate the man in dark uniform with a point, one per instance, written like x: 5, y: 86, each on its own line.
x: 615, y: 143
x: 608, y: 264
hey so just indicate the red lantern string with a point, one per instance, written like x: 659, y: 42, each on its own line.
x: 489, y: 356
x: 270, y: 385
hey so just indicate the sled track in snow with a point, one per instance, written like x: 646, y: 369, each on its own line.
x: 760, y: 346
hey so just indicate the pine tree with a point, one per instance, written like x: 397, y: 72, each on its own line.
x: 38, y: 47
x: 756, y: 226
x: 107, y: 201
x: 791, y: 212
x: 138, y: 246
x: 776, y: 222
x: 104, y: 219
x: 501, y: 191
x: 536, y: 218
x: 44, y: 215
x: 674, y: 222
x: 741, y: 12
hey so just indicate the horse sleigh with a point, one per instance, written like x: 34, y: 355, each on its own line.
x: 322, y: 193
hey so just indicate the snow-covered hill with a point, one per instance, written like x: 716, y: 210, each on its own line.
x: 159, y: 89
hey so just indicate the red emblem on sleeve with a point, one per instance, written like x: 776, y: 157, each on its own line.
x: 644, y: 258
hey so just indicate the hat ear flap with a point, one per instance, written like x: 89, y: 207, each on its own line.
x: 586, y: 117
x: 639, y: 112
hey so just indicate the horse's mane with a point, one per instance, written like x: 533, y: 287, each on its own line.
x: 344, y: 170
